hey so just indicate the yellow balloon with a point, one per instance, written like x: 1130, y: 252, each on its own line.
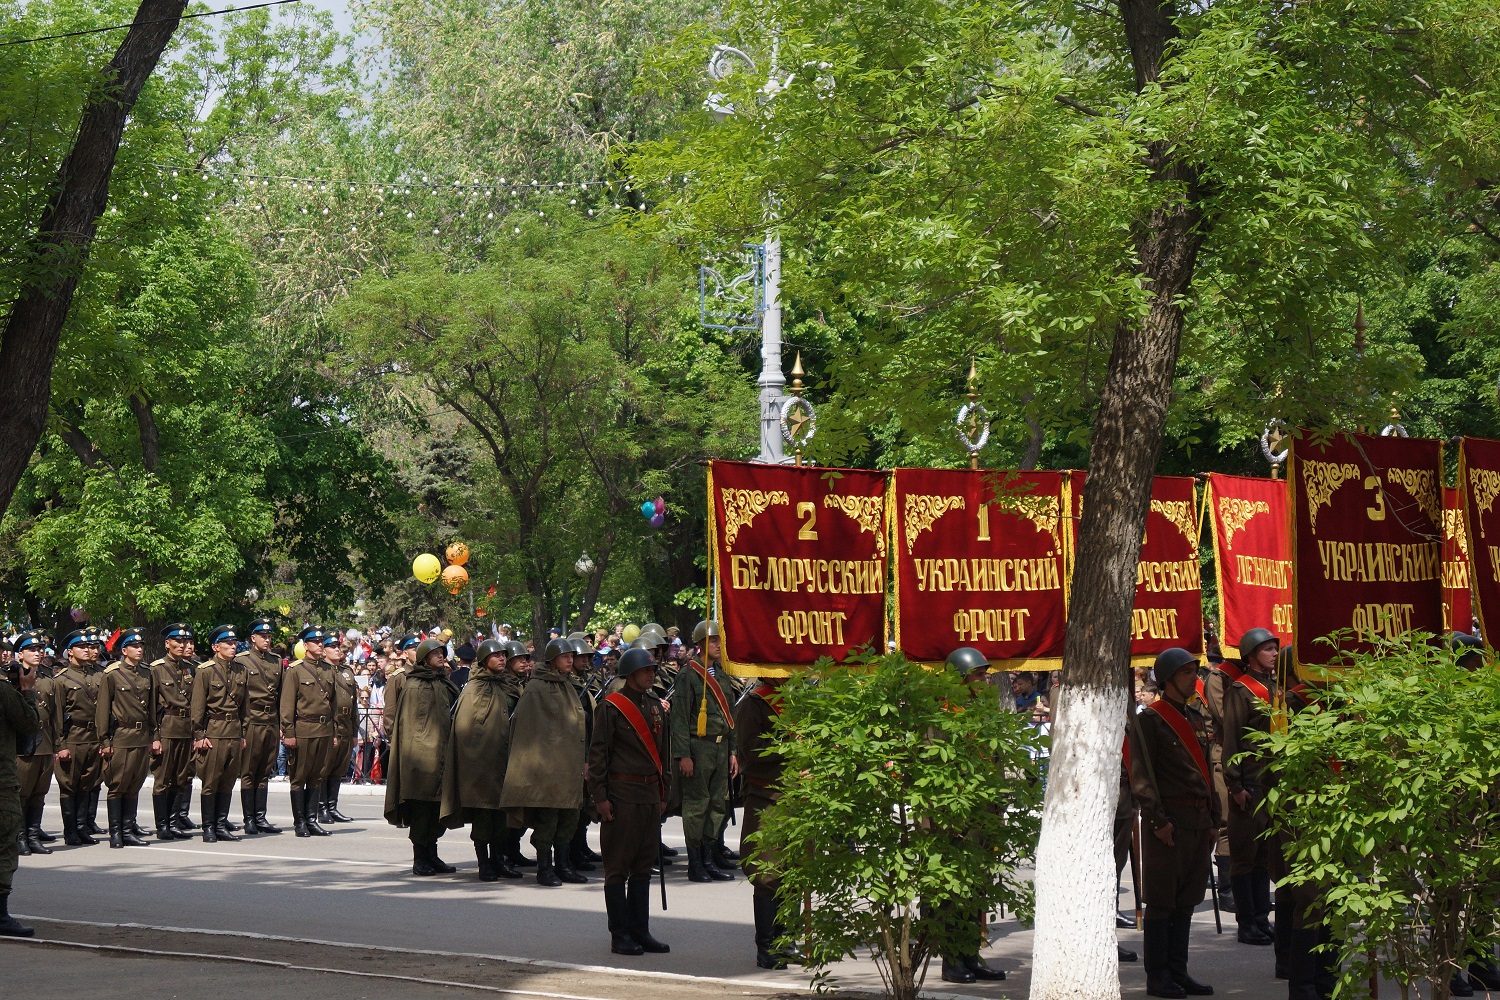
x: 426, y: 567
x: 285, y: 610
x: 454, y: 578
x: 631, y: 633
x: 299, y: 650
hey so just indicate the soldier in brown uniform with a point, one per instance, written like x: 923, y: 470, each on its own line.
x: 474, y: 765
x: 77, y: 763
x: 627, y: 780
x: 401, y: 655
x: 218, y: 715
x: 582, y: 677
x: 761, y: 766
x: 1173, y: 786
x: 307, y: 729
x: 126, y: 723
x: 518, y: 664
x: 1246, y: 708
x: 345, y: 729
x: 35, y: 769
x: 419, y: 725
x: 172, y: 771
x: 1215, y: 680
x: 262, y: 670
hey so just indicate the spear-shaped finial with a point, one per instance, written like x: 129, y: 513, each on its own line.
x: 797, y: 374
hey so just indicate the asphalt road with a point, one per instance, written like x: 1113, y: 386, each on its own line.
x: 355, y: 889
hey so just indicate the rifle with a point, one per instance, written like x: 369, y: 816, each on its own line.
x: 1135, y: 864
x: 1213, y: 888
x: 661, y: 866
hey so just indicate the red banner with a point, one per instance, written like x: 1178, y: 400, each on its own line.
x: 979, y: 562
x: 1168, y: 608
x: 799, y: 561
x: 1458, y: 597
x: 1252, y: 556
x: 1366, y: 541
x: 1479, y: 480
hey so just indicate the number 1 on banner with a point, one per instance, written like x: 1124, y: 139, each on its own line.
x: 808, y: 532
x: 984, y: 522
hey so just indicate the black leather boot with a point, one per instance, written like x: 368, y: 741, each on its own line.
x: 73, y: 836
x: 955, y: 971
x: 222, y: 803
x: 1124, y: 954
x: 247, y: 811
x: 1226, y: 884
x: 1157, y: 937
x: 578, y: 850
x: 334, y: 784
x: 443, y: 868
x: 33, y: 832
x: 714, y: 872
x: 261, y: 823
x: 22, y: 847
x: 562, y: 862
x: 89, y: 820
x: 299, y: 813
x: 1260, y: 883
x: 1302, y: 963
x: 116, y: 835
x: 310, y: 812
x: 128, y: 825
x: 1244, y: 915
x: 696, y: 871
x: 420, y: 865
x: 184, y: 823
x: 1177, y: 957
x: 500, y: 861
x: 724, y: 856
x: 8, y: 925
x: 40, y: 805
x: 208, y: 807
x: 545, y: 874
x: 981, y: 970
x: 1458, y: 986
x: 513, y: 851
x: 161, y: 812
x: 615, y: 906
x: 638, y: 904
x: 766, y: 956
x: 486, y: 869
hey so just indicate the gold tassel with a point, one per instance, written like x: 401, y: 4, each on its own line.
x: 1278, y: 713
x: 703, y: 712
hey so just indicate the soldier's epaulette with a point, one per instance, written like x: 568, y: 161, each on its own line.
x: 113, y: 666
x: 161, y: 660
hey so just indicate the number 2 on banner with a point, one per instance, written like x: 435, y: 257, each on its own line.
x: 808, y: 531
x: 984, y: 522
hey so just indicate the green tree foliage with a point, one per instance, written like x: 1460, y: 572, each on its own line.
x: 908, y: 803
x: 1386, y: 796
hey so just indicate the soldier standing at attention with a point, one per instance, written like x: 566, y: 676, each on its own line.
x: 90, y: 654
x: 1217, y: 678
x: 1172, y: 784
x: 474, y: 768
x: 401, y: 664
x: 754, y: 726
x: 518, y: 664
x: 307, y: 729
x: 579, y: 855
x: 77, y: 764
x: 19, y: 722
x: 172, y: 772
x: 345, y: 729
x: 544, y: 783
x: 627, y: 780
x: 703, y: 747
x: 262, y: 725
x: 1246, y: 707
x: 35, y: 769
x: 218, y: 714
x: 126, y: 722
x: 420, y: 723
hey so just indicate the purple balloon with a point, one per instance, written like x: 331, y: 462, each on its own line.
x: 657, y: 520
x: 660, y: 505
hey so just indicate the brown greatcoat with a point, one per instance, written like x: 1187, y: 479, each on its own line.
x: 478, y: 748
x: 418, y: 725
x: 547, y: 746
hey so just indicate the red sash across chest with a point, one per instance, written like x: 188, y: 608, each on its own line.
x: 1186, y: 736
x: 637, y: 722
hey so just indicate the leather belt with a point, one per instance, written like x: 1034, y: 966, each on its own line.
x: 180, y: 713
x: 637, y: 779
x: 223, y: 716
x: 711, y: 739
x: 129, y: 725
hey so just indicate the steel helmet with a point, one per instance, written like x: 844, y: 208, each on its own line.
x: 706, y: 629
x: 1253, y: 640
x: 966, y: 659
x: 581, y: 647
x: 1170, y: 661
x: 488, y: 648
x: 427, y: 648
x: 1463, y: 645
x: 635, y: 658
x: 556, y: 648
x: 515, y: 650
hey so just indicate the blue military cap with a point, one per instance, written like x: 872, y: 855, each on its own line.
x: 222, y: 633
x: 177, y: 630
x: 310, y: 634
x: 260, y: 626
x: 409, y: 641
x: 130, y: 635
x: 27, y: 640
x: 332, y: 638
x: 77, y: 637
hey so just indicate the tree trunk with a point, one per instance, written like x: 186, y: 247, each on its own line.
x: 1075, y: 901
x: 596, y: 580
x: 63, y: 238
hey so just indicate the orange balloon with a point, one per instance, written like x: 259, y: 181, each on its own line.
x: 454, y: 578
x: 458, y: 553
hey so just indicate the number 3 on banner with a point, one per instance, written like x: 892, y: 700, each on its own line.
x: 984, y: 522
x: 808, y: 531
x: 1377, y: 512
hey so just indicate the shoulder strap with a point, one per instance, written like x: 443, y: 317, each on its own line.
x: 709, y: 684
x: 637, y: 722
x: 1254, y: 686
x: 1185, y: 736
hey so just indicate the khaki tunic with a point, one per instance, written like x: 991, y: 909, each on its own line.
x: 126, y: 723
x: 307, y: 696
x: 1169, y: 788
x: 35, y: 771
x: 345, y: 721
x: 623, y: 772
x: 478, y: 750
x: 1249, y: 850
x: 173, y: 681
x: 218, y: 715
x: 760, y: 766
x: 262, y: 716
x: 74, y: 721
